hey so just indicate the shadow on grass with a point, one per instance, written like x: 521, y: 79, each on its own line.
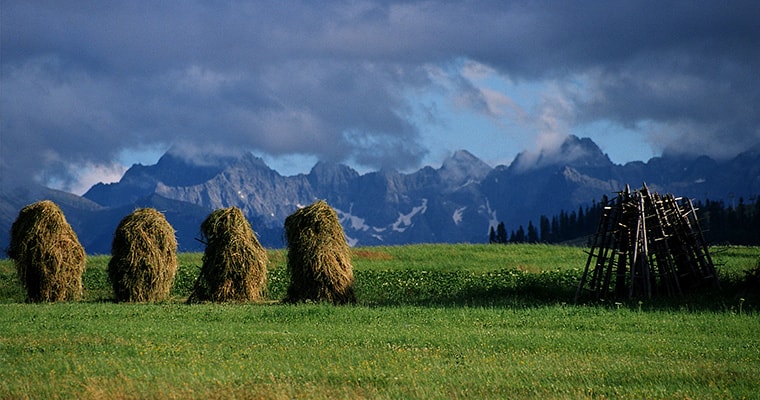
x: 516, y: 289
x: 504, y: 288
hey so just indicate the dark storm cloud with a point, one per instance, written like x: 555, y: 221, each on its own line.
x: 81, y: 81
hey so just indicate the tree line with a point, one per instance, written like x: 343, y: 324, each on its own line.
x: 735, y: 223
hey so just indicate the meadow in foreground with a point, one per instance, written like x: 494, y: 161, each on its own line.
x: 433, y: 321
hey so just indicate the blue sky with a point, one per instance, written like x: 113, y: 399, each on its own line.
x: 88, y: 87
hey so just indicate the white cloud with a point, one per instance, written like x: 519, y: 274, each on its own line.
x: 309, y: 78
x: 89, y: 174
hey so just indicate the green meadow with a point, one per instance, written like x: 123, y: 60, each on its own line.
x: 432, y: 321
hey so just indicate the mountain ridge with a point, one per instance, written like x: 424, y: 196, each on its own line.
x: 457, y: 202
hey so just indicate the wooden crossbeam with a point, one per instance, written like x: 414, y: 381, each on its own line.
x: 646, y: 244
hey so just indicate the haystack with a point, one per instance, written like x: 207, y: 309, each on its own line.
x: 48, y: 256
x: 319, y: 259
x: 143, y: 257
x: 234, y: 262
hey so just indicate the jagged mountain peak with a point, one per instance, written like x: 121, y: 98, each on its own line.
x: 175, y: 169
x: 583, y: 152
x: 463, y: 159
x: 462, y: 155
x: 462, y: 166
x: 331, y: 168
x: 248, y: 160
x: 572, y: 151
x: 331, y: 175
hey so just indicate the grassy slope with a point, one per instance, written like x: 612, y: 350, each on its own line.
x: 435, y: 321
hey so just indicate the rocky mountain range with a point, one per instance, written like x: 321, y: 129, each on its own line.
x: 457, y: 202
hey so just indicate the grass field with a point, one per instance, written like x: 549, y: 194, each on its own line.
x: 433, y: 321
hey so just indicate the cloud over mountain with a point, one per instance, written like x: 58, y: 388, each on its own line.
x: 84, y: 81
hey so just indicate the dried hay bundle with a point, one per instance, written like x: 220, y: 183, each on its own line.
x: 48, y: 256
x: 234, y: 262
x: 319, y: 259
x: 143, y: 257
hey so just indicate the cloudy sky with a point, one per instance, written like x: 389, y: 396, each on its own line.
x: 88, y: 88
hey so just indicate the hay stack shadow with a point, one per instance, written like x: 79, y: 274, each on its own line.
x: 234, y: 262
x: 319, y: 259
x: 143, y: 257
x: 49, y: 259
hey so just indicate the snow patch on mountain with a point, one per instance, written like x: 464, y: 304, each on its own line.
x: 458, y: 214
x: 348, y: 220
x: 493, y: 221
x: 352, y: 242
x: 468, y: 183
x: 404, y: 221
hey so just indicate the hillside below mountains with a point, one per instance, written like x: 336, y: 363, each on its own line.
x: 457, y: 202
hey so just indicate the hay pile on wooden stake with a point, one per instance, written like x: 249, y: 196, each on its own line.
x: 48, y: 256
x: 234, y: 263
x: 319, y: 259
x: 143, y: 257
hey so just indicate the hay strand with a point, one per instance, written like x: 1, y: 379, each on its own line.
x: 319, y: 259
x: 49, y: 259
x: 234, y: 262
x: 143, y: 257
